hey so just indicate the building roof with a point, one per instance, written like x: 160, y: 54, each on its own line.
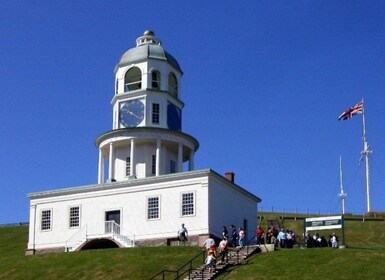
x: 140, y: 182
x: 147, y: 47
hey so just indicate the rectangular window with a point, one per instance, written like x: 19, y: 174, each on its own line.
x: 153, y: 165
x: 155, y: 113
x: 188, y: 204
x: 46, y: 219
x: 152, y: 208
x: 74, y: 217
x: 172, y: 166
x: 128, y: 166
x: 155, y: 79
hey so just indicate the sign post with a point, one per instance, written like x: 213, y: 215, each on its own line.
x: 322, y: 223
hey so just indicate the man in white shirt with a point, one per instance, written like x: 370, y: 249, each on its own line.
x: 183, y: 234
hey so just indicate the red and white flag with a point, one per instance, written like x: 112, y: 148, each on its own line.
x: 355, y: 110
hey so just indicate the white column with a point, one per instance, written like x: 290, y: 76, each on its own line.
x: 132, y: 153
x: 180, y: 158
x: 191, y: 161
x: 111, y: 162
x: 157, y: 155
x: 32, y: 225
x: 101, y: 167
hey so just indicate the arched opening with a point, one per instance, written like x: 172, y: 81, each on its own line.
x: 133, y: 79
x: 99, y: 244
x: 155, y: 79
x: 173, y: 84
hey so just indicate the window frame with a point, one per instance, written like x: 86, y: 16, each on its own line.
x: 44, y: 221
x: 191, y: 205
x: 155, y: 209
x: 128, y: 166
x: 155, y: 113
x: 153, y: 165
x: 155, y: 79
x: 72, y: 218
x: 173, y: 84
x: 133, y: 80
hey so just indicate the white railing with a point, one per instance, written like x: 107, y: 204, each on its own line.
x: 120, y: 234
x: 111, y: 227
x: 76, y: 240
x: 111, y: 230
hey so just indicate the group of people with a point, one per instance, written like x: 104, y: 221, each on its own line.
x: 234, y: 238
x: 320, y: 241
x: 237, y: 237
x: 285, y: 239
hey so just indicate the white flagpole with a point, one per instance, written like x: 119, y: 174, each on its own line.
x: 342, y: 194
x: 366, y: 151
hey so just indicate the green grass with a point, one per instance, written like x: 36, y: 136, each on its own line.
x: 361, y: 260
x: 134, y: 263
x: 320, y: 263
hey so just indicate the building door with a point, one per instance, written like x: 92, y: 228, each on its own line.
x: 245, y: 228
x: 111, y: 217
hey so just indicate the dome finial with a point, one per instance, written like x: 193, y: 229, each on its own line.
x: 148, y: 37
x: 148, y: 32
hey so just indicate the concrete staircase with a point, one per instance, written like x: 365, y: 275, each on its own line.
x: 235, y: 257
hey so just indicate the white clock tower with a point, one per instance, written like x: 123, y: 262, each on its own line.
x: 146, y: 137
x: 137, y: 200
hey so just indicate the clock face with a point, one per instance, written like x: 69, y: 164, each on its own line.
x: 173, y: 117
x: 131, y: 113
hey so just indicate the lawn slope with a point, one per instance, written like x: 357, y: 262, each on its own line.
x: 361, y: 260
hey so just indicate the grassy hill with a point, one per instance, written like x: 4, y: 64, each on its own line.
x: 361, y: 260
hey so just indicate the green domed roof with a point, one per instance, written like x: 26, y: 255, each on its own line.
x: 147, y: 46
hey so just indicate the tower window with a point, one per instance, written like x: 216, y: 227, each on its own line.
x: 46, y: 219
x: 128, y: 166
x: 155, y: 113
x: 172, y: 166
x: 152, y: 208
x: 173, y: 85
x: 153, y: 165
x: 133, y: 79
x: 155, y: 79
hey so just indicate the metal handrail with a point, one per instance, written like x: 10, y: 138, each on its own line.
x: 178, y: 272
x: 248, y: 243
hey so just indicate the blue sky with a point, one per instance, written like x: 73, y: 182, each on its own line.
x: 264, y: 83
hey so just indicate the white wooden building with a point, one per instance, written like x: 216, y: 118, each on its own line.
x: 143, y: 193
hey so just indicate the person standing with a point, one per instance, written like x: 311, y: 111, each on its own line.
x: 233, y: 240
x: 182, y: 234
x: 225, y: 234
x: 334, y: 241
x: 241, y: 235
x: 260, y: 236
x: 282, y: 238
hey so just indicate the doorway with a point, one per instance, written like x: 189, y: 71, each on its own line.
x: 112, y: 221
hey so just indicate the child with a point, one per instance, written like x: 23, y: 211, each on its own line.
x: 210, y: 261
